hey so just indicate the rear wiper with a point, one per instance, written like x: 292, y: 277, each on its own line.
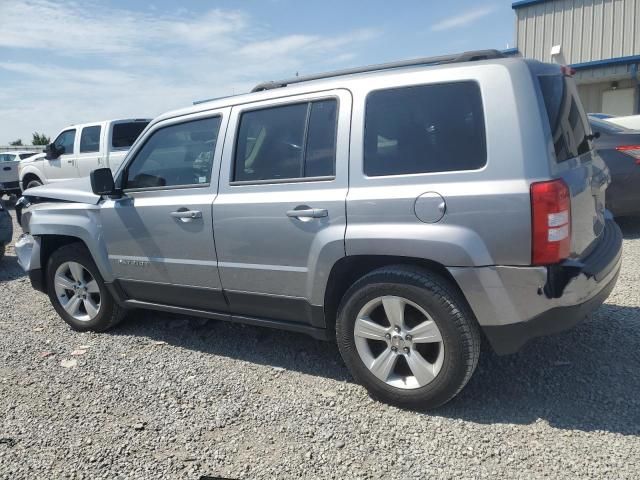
x: 593, y: 136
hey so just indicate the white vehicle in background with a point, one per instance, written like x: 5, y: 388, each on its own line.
x: 9, y: 162
x: 630, y: 121
x: 80, y: 149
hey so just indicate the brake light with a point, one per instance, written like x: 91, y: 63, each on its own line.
x: 550, y: 222
x: 567, y: 71
x: 631, y: 150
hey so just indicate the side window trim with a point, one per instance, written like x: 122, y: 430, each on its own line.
x: 309, y: 102
x: 223, y: 114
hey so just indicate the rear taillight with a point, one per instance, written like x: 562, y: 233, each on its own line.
x: 631, y: 150
x: 550, y: 222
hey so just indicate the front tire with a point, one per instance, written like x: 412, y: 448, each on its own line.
x: 33, y: 183
x: 77, y: 291
x: 408, y: 337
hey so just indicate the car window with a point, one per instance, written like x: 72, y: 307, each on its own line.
x: 26, y: 155
x: 64, y: 142
x: 125, y: 133
x: 568, y: 126
x: 425, y: 128
x: 4, y: 157
x: 286, y: 142
x: 90, y: 139
x: 176, y: 155
x: 321, y: 139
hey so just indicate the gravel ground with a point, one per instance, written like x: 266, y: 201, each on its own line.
x: 166, y: 396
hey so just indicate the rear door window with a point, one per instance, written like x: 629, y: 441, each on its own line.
x: 423, y: 129
x: 287, y: 142
x: 569, y: 126
x: 90, y: 139
x: 125, y: 133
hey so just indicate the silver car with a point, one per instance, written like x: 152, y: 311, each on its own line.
x: 402, y: 210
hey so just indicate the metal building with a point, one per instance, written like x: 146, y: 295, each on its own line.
x: 600, y: 39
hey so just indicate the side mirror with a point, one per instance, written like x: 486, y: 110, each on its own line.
x: 102, y: 182
x: 52, y: 152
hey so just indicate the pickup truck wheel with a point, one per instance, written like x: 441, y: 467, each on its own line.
x: 408, y: 337
x: 33, y: 183
x: 77, y: 291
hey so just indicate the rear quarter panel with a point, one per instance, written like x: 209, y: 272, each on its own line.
x: 488, y: 218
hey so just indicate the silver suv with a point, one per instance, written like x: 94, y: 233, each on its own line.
x: 406, y: 210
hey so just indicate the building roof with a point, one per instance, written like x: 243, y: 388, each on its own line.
x: 526, y: 3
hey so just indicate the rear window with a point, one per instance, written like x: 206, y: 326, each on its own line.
x: 568, y: 125
x: 124, y: 134
x: 425, y: 128
x: 26, y: 155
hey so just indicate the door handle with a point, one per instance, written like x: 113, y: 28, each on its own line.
x: 6, y: 169
x: 70, y: 161
x: 186, y: 215
x: 308, y: 213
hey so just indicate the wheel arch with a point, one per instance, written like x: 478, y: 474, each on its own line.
x: 30, y: 173
x: 346, y: 271
x: 66, y: 223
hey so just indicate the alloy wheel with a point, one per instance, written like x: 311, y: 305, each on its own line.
x: 399, y: 342
x: 77, y: 291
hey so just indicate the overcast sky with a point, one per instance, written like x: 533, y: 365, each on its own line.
x: 67, y: 62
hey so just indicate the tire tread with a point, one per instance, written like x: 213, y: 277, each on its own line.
x: 448, y: 296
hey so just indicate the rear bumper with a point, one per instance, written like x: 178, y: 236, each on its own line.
x: 510, y: 338
x: 9, y: 187
x: 515, y: 304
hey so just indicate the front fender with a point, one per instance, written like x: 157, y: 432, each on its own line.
x: 33, y: 169
x: 81, y: 221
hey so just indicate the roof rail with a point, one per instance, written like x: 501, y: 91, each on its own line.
x: 455, y: 58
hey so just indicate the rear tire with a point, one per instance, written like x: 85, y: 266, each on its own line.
x: 78, y: 292
x: 434, y: 349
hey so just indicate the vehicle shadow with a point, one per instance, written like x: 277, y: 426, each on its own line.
x: 9, y: 268
x: 585, y: 379
x: 259, y: 345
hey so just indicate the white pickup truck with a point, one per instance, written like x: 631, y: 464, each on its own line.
x: 79, y: 149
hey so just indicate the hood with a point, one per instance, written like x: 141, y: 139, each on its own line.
x: 76, y: 190
x: 37, y: 156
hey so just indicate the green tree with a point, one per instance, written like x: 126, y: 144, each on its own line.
x: 40, y: 139
x: 16, y: 143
